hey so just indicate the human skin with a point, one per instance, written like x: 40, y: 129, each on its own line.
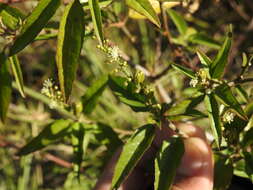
x: 194, y: 173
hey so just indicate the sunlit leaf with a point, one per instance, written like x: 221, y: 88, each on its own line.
x: 5, y: 87
x: 144, y: 8
x: 184, y: 70
x: 50, y: 134
x: 203, y: 39
x: 178, y: 21
x: 96, y: 19
x: 167, y: 161
x: 34, y: 23
x: 70, y: 41
x: 132, y: 151
x: 16, y: 69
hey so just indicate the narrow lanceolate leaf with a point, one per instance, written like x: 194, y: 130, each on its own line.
x: 178, y: 21
x: 34, y: 23
x: 204, y: 59
x: 218, y: 65
x: 16, y: 69
x: 102, y: 4
x: 184, y: 70
x: 224, y: 93
x: 91, y: 96
x: 5, y: 87
x: 77, y: 136
x: 70, y: 40
x: 96, y: 19
x: 10, y: 16
x: 47, y: 136
x: 145, y: 8
x: 213, y: 114
x: 167, y: 161
x: 132, y: 152
x: 223, y: 173
x: 203, y: 39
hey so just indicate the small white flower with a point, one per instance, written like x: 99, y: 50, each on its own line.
x: 194, y: 82
x: 53, y: 104
x: 228, y: 117
x: 48, y: 83
x: 115, y: 52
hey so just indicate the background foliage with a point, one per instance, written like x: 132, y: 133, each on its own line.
x: 73, y: 76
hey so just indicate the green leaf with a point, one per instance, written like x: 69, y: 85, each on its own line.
x: 91, y: 96
x: 218, y: 65
x: 167, y: 161
x: 104, y: 135
x: 204, y: 59
x: 203, y: 39
x: 50, y: 134
x: 135, y: 100
x: 184, y: 70
x: 45, y: 37
x: 145, y: 8
x: 132, y: 152
x: 242, y: 93
x: 185, y: 106
x: 249, y: 164
x: 16, y: 69
x: 5, y: 87
x: 96, y: 19
x: 225, y: 95
x: 223, y: 172
x: 239, y: 169
x: 188, y: 115
x: 102, y: 4
x: 178, y: 21
x: 77, y: 136
x: 70, y: 41
x: 213, y: 114
x: 10, y: 16
x: 34, y: 23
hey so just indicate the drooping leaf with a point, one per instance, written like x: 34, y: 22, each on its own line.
x: 10, y: 16
x: 224, y: 93
x: 96, y: 19
x: 91, y: 96
x: 242, y: 93
x: 5, y: 87
x: 132, y: 152
x: 135, y: 100
x: 213, y: 114
x: 34, y: 23
x: 203, y: 39
x: 178, y: 21
x: 16, y: 69
x: 70, y: 41
x: 239, y: 169
x: 223, y: 173
x: 77, y: 136
x: 105, y: 135
x: 144, y: 8
x: 218, y: 65
x: 50, y: 134
x: 184, y: 70
x: 167, y: 161
x: 204, y: 59
x: 249, y: 164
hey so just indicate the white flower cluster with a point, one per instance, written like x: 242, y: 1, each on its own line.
x: 228, y: 117
x: 52, y: 91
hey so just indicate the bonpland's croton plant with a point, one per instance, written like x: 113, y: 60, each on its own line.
x: 113, y: 72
